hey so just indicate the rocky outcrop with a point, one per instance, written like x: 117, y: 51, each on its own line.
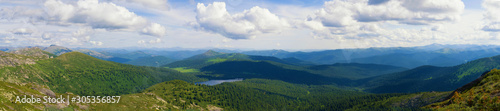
x: 34, y: 52
x: 8, y: 59
x: 57, y: 50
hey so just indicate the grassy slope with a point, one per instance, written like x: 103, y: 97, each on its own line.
x: 10, y: 91
x: 481, y: 94
x: 84, y: 75
x: 412, y: 101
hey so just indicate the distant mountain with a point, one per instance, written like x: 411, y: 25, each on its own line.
x: 94, y: 54
x: 57, y: 50
x: 331, y: 56
x: 431, y: 78
x: 265, y: 70
x: 178, y: 55
x: 154, y: 61
x: 480, y: 94
x: 353, y: 70
x: 409, y: 57
x: 118, y: 60
x: 34, y: 52
x: 130, y: 56
x: 442, y: 57
x: 410, y: 60
x: 212, y: 57
x: 4, y: 48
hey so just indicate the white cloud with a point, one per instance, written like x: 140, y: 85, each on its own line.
x: 22, y: 31
x: 98, y: 43
x: 47, y: 36
x: 157, y: 40
x: 361, y: 19
x: 9, y: 39
x: 245, y: 25
x: 83, y: 32
x: 154, y: 30
x: 95, y: 14
x: 100, y: 15
x: 157, y: 4
x: 492, y: 15
x: 154, y: 41
x: 141, y: 42
x: 340, y: 13
x: 13, y: 13
x: 225, y: 40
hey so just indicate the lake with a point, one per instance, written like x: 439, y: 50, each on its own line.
x: 215, y: 82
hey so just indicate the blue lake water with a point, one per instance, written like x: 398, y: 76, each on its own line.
x: 215, y: 82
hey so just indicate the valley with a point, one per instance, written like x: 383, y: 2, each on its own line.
x: 228, y: 80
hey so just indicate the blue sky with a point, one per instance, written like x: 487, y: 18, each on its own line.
x: 248, y: 24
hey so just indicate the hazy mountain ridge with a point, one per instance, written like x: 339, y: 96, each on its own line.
x: 57, y: 50
x: 94, y: 54
x: 211, y: 57
x: 155, y: 61
x: 431, y: 78
x: 409, y: 57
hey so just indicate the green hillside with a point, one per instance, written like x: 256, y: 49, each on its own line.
x: 212, y: 57
x: 263, y: 69
x: 207, y: 58
x: 430, y: 78
x: 353, y: 70
x: 407, y: 102
x: 481, y: 94
x: 260, y: 94
x: 84, y: 75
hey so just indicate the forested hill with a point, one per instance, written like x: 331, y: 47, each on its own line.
x: 154, y: 61
x: 84, y: 75
x: 212, y: 57
x: 481, y: 94
x: 431, y: 78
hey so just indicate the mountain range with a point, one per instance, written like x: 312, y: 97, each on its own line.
x: 277, y: 82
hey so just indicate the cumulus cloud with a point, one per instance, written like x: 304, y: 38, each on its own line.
x: 492, y: 15
x: 154, y: 41
x: 83, y: 32
x: 47, y: 36
x: 157, y: 4
x: 12, y: 13
x: 141, y: 42
x: 358, y: 19
x: 9, y: 39
x: 98, y: 15
x: 157, y: 40
x: 154, y: 30
x: 245, y: 25
x: 94, y: 13
x: 98, y: 43
x: 22, y: 31
x: 340, y: 13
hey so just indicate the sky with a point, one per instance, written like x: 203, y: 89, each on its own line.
x: 248, y: 24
